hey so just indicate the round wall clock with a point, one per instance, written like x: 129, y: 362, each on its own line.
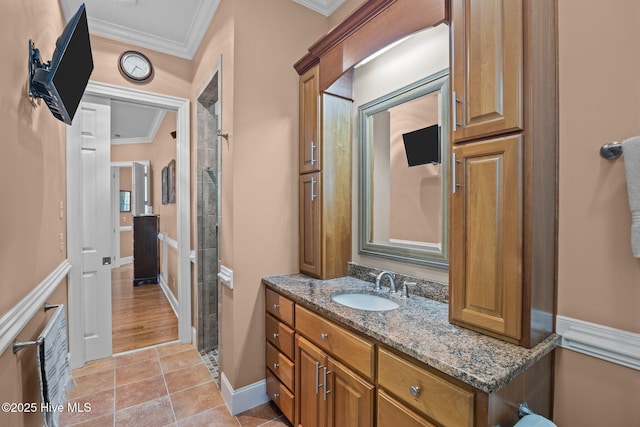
x: 135, y: 66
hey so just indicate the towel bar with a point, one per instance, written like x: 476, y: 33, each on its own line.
x: 17, y: 345
x: 611, y: 150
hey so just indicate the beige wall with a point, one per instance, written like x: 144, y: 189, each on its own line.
x: 597, y: 277
x: 32, y: 172
x: 259, y: 233
x: 416, y: 196
x: 126, y: 237
x: 172, y: 75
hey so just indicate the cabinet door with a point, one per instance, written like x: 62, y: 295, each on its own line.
x: 392, y: 413
x: 485, y: 271
x: 310, y: 212
x: 311, y: 363
x: 487, y: 63
x: 350, y: 397
x: 309, y: 138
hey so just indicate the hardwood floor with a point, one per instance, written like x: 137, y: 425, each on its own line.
x: 142, y: 316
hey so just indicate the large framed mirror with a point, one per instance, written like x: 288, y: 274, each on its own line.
x: 404, y: 164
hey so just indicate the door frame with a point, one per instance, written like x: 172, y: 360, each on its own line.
x: 74, y: 212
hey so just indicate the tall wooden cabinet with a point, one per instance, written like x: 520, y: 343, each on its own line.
x: 145, y: 250
x: 325, y: 180
x: 502, y: 269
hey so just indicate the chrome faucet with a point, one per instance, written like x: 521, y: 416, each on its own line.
x: 392, y: 281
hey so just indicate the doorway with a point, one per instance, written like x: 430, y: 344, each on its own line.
x: 144, y: 282
x: 80, y: 307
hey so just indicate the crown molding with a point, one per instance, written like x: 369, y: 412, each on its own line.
x: 186, y: 49
x: 323, y: 7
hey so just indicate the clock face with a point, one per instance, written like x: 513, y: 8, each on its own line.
x: 135, y: 66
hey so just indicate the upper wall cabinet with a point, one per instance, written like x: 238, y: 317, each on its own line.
x: 309, y: 138
x: 487, y: 61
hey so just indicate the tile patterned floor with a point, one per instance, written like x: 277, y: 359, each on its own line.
x: 163, y: 386
x: 211, y: 360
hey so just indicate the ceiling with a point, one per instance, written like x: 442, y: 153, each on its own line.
x: 174, y: 27
x: 167, y: 26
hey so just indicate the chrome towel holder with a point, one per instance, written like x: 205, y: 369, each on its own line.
x: 611, y: 150
x: 17, y: 345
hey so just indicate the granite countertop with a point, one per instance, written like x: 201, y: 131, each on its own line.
x: 419, y: 328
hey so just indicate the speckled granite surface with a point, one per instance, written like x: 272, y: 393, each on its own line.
x: 426, y: 288
x: 420, y: 329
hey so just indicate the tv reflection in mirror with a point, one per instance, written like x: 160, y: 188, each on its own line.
x: 422, y: 146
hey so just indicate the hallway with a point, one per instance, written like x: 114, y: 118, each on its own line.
x: 163, y: 386
x: 142, y: 316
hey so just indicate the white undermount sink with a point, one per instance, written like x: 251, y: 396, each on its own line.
x: 363, y: 301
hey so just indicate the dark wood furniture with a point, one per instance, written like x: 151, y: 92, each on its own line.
x: 145, y: 250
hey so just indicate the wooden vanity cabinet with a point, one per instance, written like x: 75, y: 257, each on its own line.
x: 503, y: 206
x: 325, y: 180
x: 280, y: 351
x: 369, y: 384
x: 329, y: 392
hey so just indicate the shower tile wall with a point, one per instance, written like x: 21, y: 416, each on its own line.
x: 206, y: 191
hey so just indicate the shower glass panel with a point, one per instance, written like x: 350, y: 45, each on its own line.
x: 208, y: 218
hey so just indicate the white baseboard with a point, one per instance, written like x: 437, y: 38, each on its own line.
x: 244, y: 398
x: 167, y: 293
x: 21, y: 314
x: 603, y: 342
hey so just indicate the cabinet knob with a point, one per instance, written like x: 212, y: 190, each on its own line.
x: 276, y: 306
x: 324, y: 336
x: 415, y: 390
x: 276, y: 395
x: 276, y: 335
x: 276, y: 365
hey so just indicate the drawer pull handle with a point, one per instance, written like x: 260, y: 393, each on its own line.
x: 324, y: 380
x: 276, y: 335
x: 324, y: 336
x: 276, y: 365
x: 415, y: 390
x: 276, y: 306
x: 276, y: 395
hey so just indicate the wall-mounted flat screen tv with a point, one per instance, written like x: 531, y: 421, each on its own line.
x: 422, y: 146
x: 61, y: 82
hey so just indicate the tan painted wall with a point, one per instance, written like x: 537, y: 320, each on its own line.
x: 259, y: 232
x: 32, y: 172
x: 172, y: 75
x: 126, y: 237
x: 598, y: 277
x: 416, y: 199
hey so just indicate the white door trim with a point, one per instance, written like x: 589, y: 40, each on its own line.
x: 74, y: 209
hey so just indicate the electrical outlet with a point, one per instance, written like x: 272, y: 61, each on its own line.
x: 61, y: 209
x: 61, y: 242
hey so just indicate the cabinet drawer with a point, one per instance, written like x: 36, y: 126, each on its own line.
x: 280, y: 396
x: 280, y: 365
x: 392, y: 413
x: 280, y: 307
x: 280, y: 335
x: 436, y: 397
x: 344, y: 345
